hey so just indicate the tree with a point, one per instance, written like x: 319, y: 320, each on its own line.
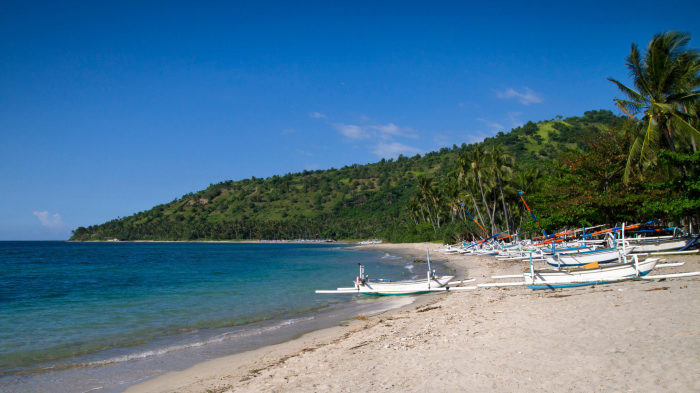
x: 666, y: 81
x: 502, y: 164
x: 481, y: 172
x: 466, y: 175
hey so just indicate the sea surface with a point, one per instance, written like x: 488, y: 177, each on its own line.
x: 98, y: 317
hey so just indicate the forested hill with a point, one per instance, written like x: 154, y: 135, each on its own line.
x: 356, y: 201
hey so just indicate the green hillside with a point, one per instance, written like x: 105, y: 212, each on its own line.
x: 356, y: 201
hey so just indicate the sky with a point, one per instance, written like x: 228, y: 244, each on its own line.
x: 109, y: 108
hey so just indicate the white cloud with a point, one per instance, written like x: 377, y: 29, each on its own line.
x: 351, y: 131
x: 317, y: 115
x: 526, y: 97
x: 393, y: 149
x: 48, y: 220
x: 383, y: 131
x: 381, y: 138
x: 392, y: 130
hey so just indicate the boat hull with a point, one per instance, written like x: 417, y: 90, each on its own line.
x: 401, y: 287
x: 548, y: 279
x: 657, y: 246
x: 584, y: 258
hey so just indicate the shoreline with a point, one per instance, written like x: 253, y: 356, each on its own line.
x: 507, y: 339
x: 212, y: 241
x: 175, y: 380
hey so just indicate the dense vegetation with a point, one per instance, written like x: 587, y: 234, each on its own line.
x: 598, y: 168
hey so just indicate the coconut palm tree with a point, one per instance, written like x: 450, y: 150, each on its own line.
x: 431, y: 200
x: 451, y: 191
x: 466, y: 175
x: 502, y: 167
x: 666, y: 81
x: 480, y: 169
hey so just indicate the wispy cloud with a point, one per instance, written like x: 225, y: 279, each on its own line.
x: 380, y: 139
x: 392, y: 130
x: 288, y: 131
x: 351, y: 131
x: 383, y: 131
x: 393, y: 149
x: 514, y: 118
x: 492, y: 125
x: 525, y: 97
x: 317, y: 115
x: 48, y: 220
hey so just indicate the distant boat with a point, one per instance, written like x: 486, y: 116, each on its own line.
x: 365, y: 286
x: 370, y: 241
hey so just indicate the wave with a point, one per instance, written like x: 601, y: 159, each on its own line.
x: 390, y: 256
x: 246, y: 332
x: 216, y: 339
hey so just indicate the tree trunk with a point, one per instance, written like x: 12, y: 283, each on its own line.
x: 503, y: 200
x: 483, y: 198
x: 478, y: 212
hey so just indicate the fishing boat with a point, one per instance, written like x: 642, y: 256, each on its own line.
x: 363, y: 285
x: 606, y: 255
x: 588, y: 275
x: 449, y: 249
x: 651, y: 245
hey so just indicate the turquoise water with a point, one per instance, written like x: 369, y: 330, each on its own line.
x: 71, y: 307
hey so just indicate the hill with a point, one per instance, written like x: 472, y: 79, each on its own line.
x: 356, y: 201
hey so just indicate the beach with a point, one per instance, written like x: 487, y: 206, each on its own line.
x: 629, y: 336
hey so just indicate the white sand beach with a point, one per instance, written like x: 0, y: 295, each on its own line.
x: 641, y: 336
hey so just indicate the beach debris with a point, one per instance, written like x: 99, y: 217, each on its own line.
x: 656, y: 289
x: 429, y: 308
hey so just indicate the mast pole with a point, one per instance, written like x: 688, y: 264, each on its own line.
x: 427, y: 251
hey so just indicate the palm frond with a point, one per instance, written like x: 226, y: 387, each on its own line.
x: 651, y: 137
x: 631, y: 93
x: 635, y: 150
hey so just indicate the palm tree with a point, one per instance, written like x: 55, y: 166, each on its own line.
x: 502, y: 165
x: 425, y: 184
x: 666, y: 81
x: 464, y: 166
x: 480, y: 170
x: 452, y: 193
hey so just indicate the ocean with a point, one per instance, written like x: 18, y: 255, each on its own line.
x: 98, y: 317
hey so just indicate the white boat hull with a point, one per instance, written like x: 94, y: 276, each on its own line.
x: 577, y: 277
x: 656, y: 246
x: 400, y: 287
x: 584, y: 258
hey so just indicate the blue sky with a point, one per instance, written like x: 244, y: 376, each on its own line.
x: 109, y: 108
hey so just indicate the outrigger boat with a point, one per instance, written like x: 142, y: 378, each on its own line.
x: 549, y: 279
x: 365, y: 286
x: 584, y: 257
x: 653, y: 245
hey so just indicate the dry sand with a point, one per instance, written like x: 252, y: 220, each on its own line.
x: 641, y: 336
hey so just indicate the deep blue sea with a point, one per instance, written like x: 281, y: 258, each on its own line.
x: 78, y: 317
